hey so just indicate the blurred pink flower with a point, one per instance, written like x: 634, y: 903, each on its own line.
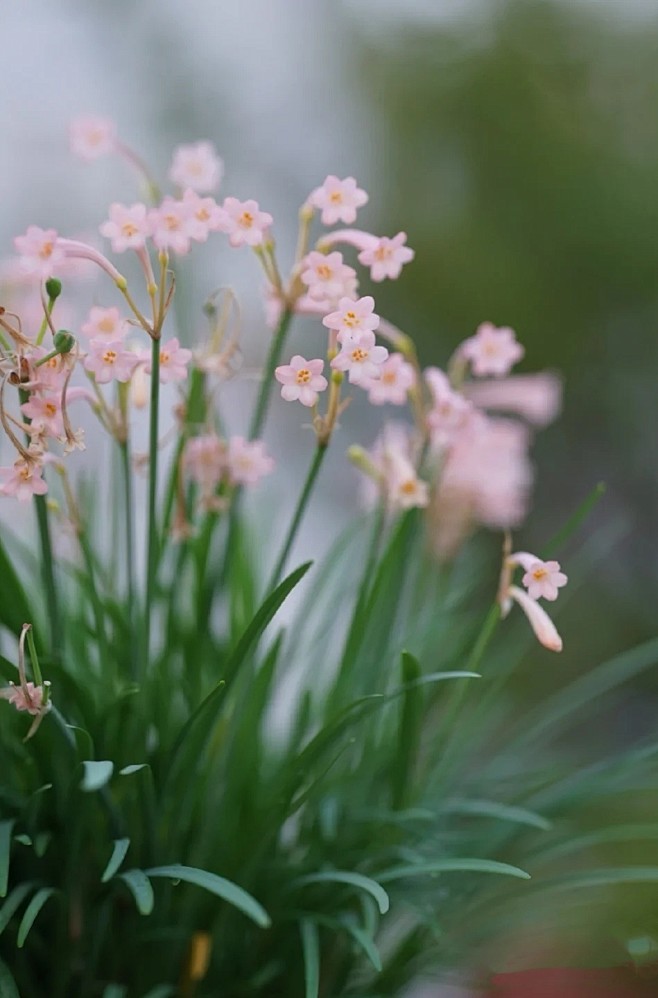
x: 247, y: 461
x: 353, y: 316
x: 91, y: 136
x: 110, y: 361
x: 197, y: 166
x: 328, y: 278
x: 386, y: 257
x: 203, y: 215
x: 204, y: 459
x: 40, y: 253
x: 338, y: 200
x: 449, y: 408
x: 173, y: 361
x: 542, y: 625
x: 45, y: 414
x: 492, y: 351
x: 361, y: 358
x: 535, y: 397
x: 28, y: 697
x: 542, y: 578
x: 169, y: 226
x: 244, y: 222
x: 128, y: 226
x: 302, y: 380
x: 396, y: 378
x: 23, y: 480
x: 104, y: 322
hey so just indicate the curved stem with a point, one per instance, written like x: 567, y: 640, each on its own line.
x: 273, y: 357
x: 300, y: 509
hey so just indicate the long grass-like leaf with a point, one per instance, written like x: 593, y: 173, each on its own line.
x: 139, y: 886
x: 6, y: 828
x: 223, y: 888
x: 364, y: 941
x: 311, y: 950
x: 13, y: 903
x: 457, y: 865
x: 8, y: 987
x: 31, y: 912
x: 493, y: 809
x: 352, y: 879
x: 119, y: 851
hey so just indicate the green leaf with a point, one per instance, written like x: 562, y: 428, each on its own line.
x: 409, y: 729
x: 115, y: 991
x: 96, y: 774
x: 493, y: 809
x: 602, y: 836
x: 223, y: 888
x: 364, y: 941
x: 603, y: 878
x: 311, y: 949
x: 129, y: 770
x: 8, y: 987
x: 139, y: 886
x: 12, y: 904
x: 451, y: 866
x: 119, y: 851
x: 6, y: 828
x: 15, y: 609
x: 31, y: 912
x: 357, y: 880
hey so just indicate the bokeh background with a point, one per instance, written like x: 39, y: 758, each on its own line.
x: 516, y: 141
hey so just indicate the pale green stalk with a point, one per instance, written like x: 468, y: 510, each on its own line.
x: 152, y: 527
x: 273, y: 357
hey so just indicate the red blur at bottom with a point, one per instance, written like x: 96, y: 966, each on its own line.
x: 615, y: 982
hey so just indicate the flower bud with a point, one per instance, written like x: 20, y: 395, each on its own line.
x: 53, y: 288
x: 63, y: 341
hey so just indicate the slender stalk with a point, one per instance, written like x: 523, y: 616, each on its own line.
x: 273, y: 357
x: 48, y: 572
x: 300, y: 509
x: 129, y: 527
x: 152, y: 528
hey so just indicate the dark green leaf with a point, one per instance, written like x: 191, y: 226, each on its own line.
x: 96, y: 774
x: 311, y: 950
x: 139, y: 886
x: 451, y: 866
x: 6, y: 828
x: 357, y: 880
x: 13, y: 903
x: 8, y: 987
x: 31, y: 912
x: 119, y: 851
x: 223, y: 888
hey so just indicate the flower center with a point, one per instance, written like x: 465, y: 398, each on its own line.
x: 336, y: 197
x: 171, y: 222
x: 246, y: 220
x: 46, y: 250
x: 106, y: 325
x: 539, y: 573
x: 383, y: 253
x: 165, y: 357
x: 109, y: 356
x: 51, y: 409
x: 358, y: 355
x: 408, y: 488
x: 323, y: 271
x: 303, y: 376
x: 351, y: 319
x: 388, y: 377
x: 203, y: 215
x: 24, y: 473
x: 128, y: 229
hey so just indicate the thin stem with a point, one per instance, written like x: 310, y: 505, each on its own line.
x: 276, y: 346
x: 48, y: 572
x: 300, y: 509
x: 129, y: 528
x: 152, y: 536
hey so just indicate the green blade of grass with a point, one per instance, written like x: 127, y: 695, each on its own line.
x: 13, y: 903
x: 6, y: 828
x: 96, y: 774
x: 8, y: 987
x: 119, y: 851
x: 222, y: 888
x: 460, y: 865
x: 351, y: 879
x: 31, y: 912
x: 311, y: 950
x: 139, y: 886
x: 493, y: 809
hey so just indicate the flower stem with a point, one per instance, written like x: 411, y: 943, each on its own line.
x: 300, y: 509
x: 129, y: 528
x: 276, y: 346
x: 48, y: 571
x: 152, y: 535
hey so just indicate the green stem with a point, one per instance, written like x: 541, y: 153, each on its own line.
x: 152, y: 535
x: 273, y: 357
x: 48, y: 572
x: 300, y: 509
x: 96, y: 603
x: 129, y: 536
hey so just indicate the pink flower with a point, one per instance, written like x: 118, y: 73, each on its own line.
x: 169, y: 226
x: 197, y: 166
x: 386, y: 257
x: 247, y: 461
x: 449, y: 410
x: 74, y: 249
x: 360, y: 358
x: 492, y: 351
x: 328, y: 278
x: 173, y: 361
x: 203, y: 215
x: 28, y: 697
x: 110, y: 361
x: 535, y: 397
x: 92, y: 137
x: 40, y: 254
x: 397, y: 377
x: 302, y: 380
x: 352, y: 316
x: 204, y: 458
x: 45, y: 414
x: 338, y: 200
x: 23, y: 480
x: 244, y: 222
x: 49, y: 376
x: 391, y: 464
x: 104, y: 322
x: 542, y: 578
x: 128, y: 227
x: 542, y: 625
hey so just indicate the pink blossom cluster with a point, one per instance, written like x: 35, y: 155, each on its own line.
x: 542, y: 579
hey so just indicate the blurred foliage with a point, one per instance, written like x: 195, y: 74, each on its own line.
x: 522, y: 160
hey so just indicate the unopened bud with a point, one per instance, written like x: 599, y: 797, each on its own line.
x: 53, y: 288
x: 63, y: 341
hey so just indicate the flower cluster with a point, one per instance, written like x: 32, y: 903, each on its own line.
x: 541, y: 579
